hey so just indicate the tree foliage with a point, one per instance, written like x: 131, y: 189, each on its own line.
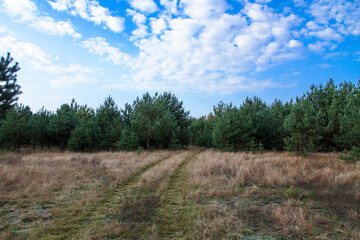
x: 325, y: 118
x: 152, y: 121
x: 9, y: 89
x: 63, y: 122
x: 16, y: 127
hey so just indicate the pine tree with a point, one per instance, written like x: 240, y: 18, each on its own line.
x: 40, y: 129
x: 63, y: 123
x: 109, y: 120
x: 232, y: 128
x: 9, y: 89
x: 16, y: 127
x: 152, y: 121
x: 302, y: 125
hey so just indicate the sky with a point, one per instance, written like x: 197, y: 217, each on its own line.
x: 203, y: 51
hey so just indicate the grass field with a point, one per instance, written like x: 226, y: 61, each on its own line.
x: 187, y: 194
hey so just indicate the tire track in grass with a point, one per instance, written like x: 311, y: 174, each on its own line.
x: 142, y: 204
x: 130, y: 183
x: 176, y: 214
x: 70, y: 224
x: 135, y: 206
x: 150, y: 183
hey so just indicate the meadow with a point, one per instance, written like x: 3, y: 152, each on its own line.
x: 184, y: 194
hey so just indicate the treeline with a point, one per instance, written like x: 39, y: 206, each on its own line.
x: 326, y: 118
x: 158, y: 121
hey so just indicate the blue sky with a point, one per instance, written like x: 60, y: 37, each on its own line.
x: 204, y: 51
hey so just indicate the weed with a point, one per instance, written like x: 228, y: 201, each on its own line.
x: 139, y: 151
x: 291, y: 193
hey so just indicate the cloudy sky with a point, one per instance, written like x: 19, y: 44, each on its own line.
x: 204, y: 51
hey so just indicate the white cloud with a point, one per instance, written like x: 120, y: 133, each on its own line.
x: 140, y: 20
x: 170, y: 5
x: 158, y: 25
x: 24, y: 10
x: 145, y: 6
x: 312, y: 26
x: 33, y: 56
x: 27, y: 12
x: 300, y: 3
x: 319, y: 46
x: 294, y: 44
x: 208, y: 50
x: 99, y: 46
x: 202, y: 9
x: 60, y: 28
x: 331, y: 21
x: 60, y: 5
x: 262, y: 1
x: 68, y: 81
x: 324, y: 65
x: 340, y: 15
x: 90, y: 10
x: 327, y: 34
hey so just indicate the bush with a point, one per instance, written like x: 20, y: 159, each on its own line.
x: 139, y: 151
x: 352, y: 155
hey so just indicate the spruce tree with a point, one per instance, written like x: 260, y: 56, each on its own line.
x: 9, y: 89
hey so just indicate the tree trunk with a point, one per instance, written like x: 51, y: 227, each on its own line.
x: 147, y: 143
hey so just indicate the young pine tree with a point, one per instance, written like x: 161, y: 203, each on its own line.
x: 9, y: 89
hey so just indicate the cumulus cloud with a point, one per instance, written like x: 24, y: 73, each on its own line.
x: 26, y: 11
x: 262, y: 1
x: 206, y: 49
x: 321, y: 46
x: 99, y: 46
x: 201, y: 9
x: 332, y: 21
x: 205, y: 45
x: 36, y: 58
x: 327, y: 34
x: 140, y: 20
x: 60, y: 28
x: 145, y: 6
x: 90, y: 10
x: 294, y: 44
x: 300, y: 3
x: 158, y: 25
x: 170, y: 5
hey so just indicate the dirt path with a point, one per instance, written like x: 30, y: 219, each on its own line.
x: 150, y: 204
x: 81, y: 222
x: 158, y: 210
x: 176, y: 213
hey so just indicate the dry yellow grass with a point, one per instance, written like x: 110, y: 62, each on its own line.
x: 272, y: 169
x: 41, y: 172
x: 173, y: 194
x: 250, y: 189
x: 39, y: 187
